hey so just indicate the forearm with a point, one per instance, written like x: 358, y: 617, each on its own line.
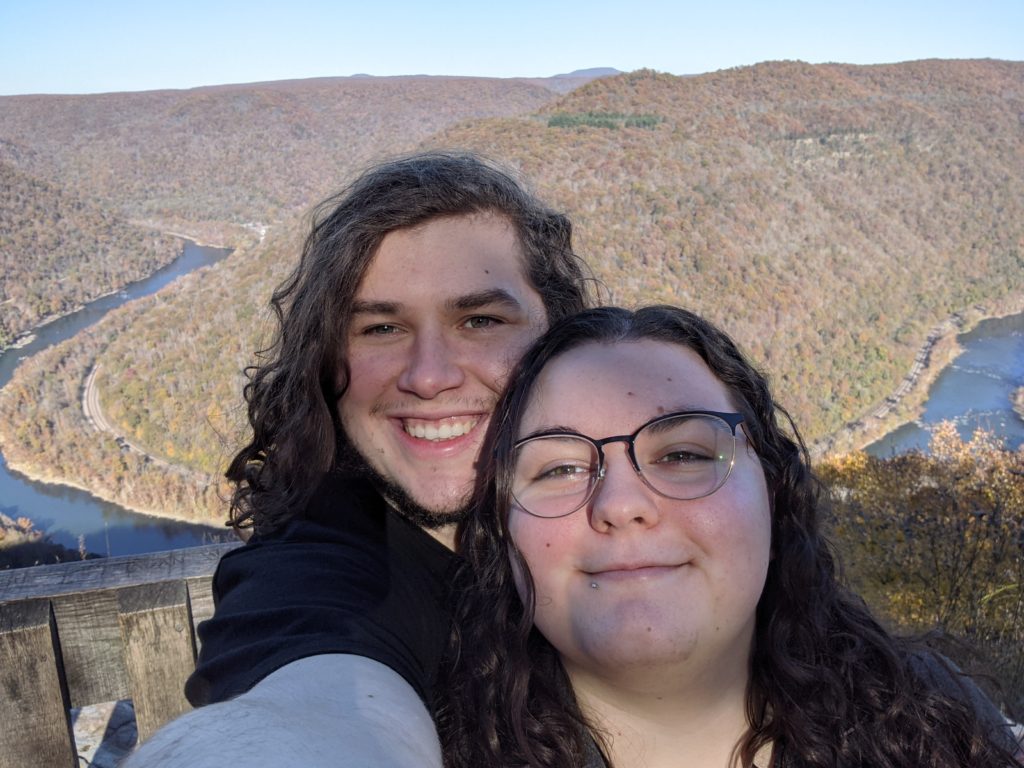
x: 337, y: 710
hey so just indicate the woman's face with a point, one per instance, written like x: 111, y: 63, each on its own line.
x: 634, y: 580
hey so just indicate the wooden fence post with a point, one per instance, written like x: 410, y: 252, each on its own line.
x: 156, y: 629
x: 35, y: 727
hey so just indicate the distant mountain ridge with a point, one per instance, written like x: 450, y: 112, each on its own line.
x: 827, y: 215
x: 237, y: 153
x: 593, y: 73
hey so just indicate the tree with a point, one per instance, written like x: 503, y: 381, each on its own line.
x: 935, y: 541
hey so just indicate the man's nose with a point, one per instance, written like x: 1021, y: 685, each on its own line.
x: 622, y: 499
x: 432, y: 366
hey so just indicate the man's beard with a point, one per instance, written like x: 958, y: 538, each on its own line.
x: 352, y: 463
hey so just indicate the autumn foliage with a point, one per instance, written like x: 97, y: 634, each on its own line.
x: 828, y: 216
x: 936, y: 541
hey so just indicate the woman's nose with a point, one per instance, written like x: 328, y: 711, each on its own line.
x: 622, y: 498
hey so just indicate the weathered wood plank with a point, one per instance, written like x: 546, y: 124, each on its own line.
x: 200, y: 600
x: 36, y: 728
x: 109, y: 572
x: 84, y: 632
x: 156, y: 630
x: 90, y: 641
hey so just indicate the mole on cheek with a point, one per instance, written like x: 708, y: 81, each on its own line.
x: 629, y: 394
x: 547, y: 544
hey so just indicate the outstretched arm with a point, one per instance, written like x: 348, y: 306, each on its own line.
x: 334, y: 710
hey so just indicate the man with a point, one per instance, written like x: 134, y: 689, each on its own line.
x: 418, y: 288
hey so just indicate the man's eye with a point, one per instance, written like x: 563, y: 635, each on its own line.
x: 383, y: 329
x: 482, y: 321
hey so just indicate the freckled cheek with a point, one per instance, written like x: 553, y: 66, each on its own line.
x: 542, y: 549
x: 507, y: 354
x: 737, y: 525
x: 374, y: 377
x: 749, y: 539
x: 493, y: 371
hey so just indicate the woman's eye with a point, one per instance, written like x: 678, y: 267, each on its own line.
x: 563, y: 472
x: 383, y: 329
x: 683, y: 456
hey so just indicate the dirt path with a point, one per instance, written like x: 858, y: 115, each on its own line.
x: 98, y: 421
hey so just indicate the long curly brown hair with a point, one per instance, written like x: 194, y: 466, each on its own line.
x: 828, y: 685
x: 293, y: 390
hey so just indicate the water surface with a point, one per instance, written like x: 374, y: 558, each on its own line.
x: 975, y: 390
x: 67, y: 513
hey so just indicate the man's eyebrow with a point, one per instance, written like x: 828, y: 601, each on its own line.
x: 462, y: 303
x: 375, y: 307
x: 480, y: 299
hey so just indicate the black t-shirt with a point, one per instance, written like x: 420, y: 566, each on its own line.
x: 348, y: 576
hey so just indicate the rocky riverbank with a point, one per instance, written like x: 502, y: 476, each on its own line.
x: 907, y: 400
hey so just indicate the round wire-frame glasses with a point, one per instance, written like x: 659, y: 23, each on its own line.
x: 683, y: 455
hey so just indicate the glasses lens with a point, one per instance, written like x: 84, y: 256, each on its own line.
x: 554, y: 474
x: 686, y: 457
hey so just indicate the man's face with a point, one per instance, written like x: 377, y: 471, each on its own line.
x: 442, y: 314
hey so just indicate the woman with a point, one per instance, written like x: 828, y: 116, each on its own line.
x: 648, y: 586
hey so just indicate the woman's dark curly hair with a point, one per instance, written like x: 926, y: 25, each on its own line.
x: 292, y: 392
x: 828, y: 685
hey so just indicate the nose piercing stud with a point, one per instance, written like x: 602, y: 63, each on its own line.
x: 593, y: 585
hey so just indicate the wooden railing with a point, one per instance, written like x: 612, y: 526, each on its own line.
x: 95, y: 631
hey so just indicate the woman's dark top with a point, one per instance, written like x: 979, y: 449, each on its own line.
x: 930, y: 669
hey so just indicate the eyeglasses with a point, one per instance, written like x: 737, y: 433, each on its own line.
x: 684, y: 455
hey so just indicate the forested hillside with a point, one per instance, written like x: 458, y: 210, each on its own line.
x: 257, y: 152
x: 58, y: 252
x: 205, y: 162
x: 829, y: 216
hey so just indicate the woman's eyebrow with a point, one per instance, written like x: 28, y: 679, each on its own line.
x: 552, y: 430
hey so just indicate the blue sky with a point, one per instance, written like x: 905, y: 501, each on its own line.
x: 70, y: 46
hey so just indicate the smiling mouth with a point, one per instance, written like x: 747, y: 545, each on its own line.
x: 629, y: 572
x: 440, y: 429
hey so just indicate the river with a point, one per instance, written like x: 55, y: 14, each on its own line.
x: 66, y: 513
x: 973, y: 391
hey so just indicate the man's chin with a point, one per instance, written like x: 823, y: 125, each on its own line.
x: 353, y: 463
x: 412, y: 510
x: 420, y: 515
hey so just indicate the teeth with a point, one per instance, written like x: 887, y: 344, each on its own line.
x: 437, y: 431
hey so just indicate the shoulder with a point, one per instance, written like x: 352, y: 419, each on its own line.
x: 333, y: 710
x: 945, y: 677
x: 349, y: 577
